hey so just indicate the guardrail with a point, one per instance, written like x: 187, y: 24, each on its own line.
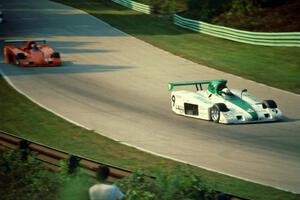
x: 288, y: 39
x: 134, y: 6
x: 51, y: 157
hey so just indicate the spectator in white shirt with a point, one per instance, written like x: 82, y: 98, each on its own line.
x: 103, y: 190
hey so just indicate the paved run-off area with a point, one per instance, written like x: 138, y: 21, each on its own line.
x: 117, y: 85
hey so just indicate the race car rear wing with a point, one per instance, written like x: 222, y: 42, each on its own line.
x: 198, y: 84
x: 23, y: 41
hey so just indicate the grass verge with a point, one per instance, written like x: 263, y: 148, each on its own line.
x: 20, y: 116
x: 275, y: 66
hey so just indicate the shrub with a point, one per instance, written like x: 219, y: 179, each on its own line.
x: 25, y: 179
x: 29, y: 179
x: 206, y: 9
x: 183, y: 185
x: 73, y: 186
x: 243, y: 7
x: 167, y: 6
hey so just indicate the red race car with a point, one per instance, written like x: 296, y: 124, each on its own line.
x: 30, y: 53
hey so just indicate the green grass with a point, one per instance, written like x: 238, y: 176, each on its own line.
x: 21, y: 117
x: 275, y: 66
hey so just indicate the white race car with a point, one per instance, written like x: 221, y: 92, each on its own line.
x: 219, y: 104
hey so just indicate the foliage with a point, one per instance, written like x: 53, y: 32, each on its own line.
x: 25, y: 179
x: 163, y: 6
x: 250, y: 6
x: 73, y: 186
x: 206, y: 9
x: 182, y: 185
x: 261, y: 15
x: 28, y: 179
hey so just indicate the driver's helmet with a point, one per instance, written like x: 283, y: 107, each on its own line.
x: 226, y: 91
x: 33, y: 45
x: 221, y: 87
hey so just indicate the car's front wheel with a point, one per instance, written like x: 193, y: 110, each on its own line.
x: 55, y: 55
x: 215, y: 113
x: 269, y: 104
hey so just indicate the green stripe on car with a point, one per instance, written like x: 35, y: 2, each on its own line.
x: 243, y: 105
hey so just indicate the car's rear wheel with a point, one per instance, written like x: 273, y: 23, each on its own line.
x: 215, y: 113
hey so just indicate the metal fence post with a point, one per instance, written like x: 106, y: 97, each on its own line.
x: 23, y: 146
x: 73, y: 163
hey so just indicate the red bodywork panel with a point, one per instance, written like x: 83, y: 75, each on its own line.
x: 31, y: 54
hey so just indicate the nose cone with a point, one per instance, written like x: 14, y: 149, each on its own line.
x: 37, y: 56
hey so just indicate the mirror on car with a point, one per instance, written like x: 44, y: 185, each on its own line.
x: 244, y: 90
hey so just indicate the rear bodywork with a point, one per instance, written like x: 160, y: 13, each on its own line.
x: 238, y: 107
x: 30, y: 53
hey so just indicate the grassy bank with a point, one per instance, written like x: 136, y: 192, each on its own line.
x: 23, y: 118
x: 274, y: 66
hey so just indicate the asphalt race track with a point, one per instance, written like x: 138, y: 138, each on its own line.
x: 117, y: 85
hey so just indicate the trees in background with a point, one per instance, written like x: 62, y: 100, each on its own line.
x: 207, y: 9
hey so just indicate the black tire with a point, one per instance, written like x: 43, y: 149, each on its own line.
x: 215, y: 113
x: 269, y: 104
x: 55, y: 55
x: 11, y: 59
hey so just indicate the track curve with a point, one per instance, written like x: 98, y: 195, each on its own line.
x: 117, y: 85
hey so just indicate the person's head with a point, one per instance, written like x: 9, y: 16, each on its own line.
x: 226, y: 91
x: 221, y: 87
x: 32, y: 45
x: 102, y: 173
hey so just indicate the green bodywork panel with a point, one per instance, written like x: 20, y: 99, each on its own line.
x: 243, y: 105
x: 214, y: 85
